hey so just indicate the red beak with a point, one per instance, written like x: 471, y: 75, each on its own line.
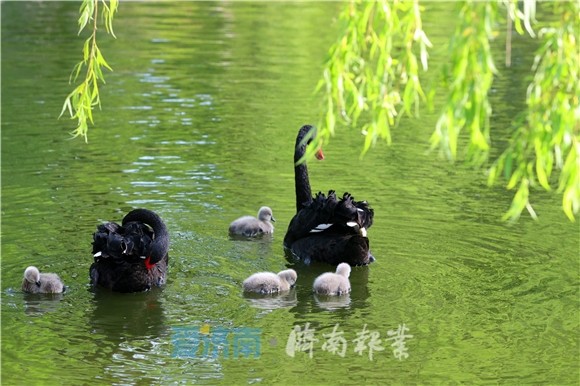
x: 319, y: 154
x: 148, y: 264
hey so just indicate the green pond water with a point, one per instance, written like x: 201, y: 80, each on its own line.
x: 198, y: 123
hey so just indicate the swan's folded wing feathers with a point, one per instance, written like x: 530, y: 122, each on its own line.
x: 138, y: 238
x: 115, y: 246
x: 345, y: 213
x: 99, y: 239
x: 322, y: 213
x: 365, y: 214
x: 328, y: 205
x: 126, y: 242
x: 358, y: 211
x: 109, y: 227
x: 106, y: 239
x: 327, y: 214
x: 302, y: 223
x: 308, y: 218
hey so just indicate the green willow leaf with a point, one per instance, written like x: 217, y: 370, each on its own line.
x: 81, y: 101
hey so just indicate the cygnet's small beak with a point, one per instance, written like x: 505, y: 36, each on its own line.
x: 37, y: 283
x: 273, y: 219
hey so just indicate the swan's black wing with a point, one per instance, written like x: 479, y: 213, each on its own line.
x: 129, y: 242
x: 350, y: 211
x: 328, y: 215
x: 351, y: 248
x: 312, y: 217
x: 331, y: 230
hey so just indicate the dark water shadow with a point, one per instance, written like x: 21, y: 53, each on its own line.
x: 131, y: 330
x: 122, y: 315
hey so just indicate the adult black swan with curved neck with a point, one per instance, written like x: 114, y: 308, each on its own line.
x: 326, y: 228
x: 131, y: 257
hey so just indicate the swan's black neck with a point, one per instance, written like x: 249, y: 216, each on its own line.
x: 160, y: 245
x: 301, y: 180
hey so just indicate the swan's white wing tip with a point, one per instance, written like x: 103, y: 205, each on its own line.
x: 320, y: 228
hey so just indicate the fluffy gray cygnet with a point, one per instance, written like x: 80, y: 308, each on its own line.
x: 335, y: 284
x: 251, y: 226
x: 269, y: 282
x: 35, y: 282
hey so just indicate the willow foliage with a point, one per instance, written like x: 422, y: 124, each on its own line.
x: 547, y: 134
x: 367, y: 72
x: 368, y: 75
x: 81, y: 101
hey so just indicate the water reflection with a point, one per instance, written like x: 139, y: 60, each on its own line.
x: 260, y: 247
x: 331, y: 303
x: 272, y: 301
x: 38, y: 304
x: 266, y: 237
x: 118, y: 316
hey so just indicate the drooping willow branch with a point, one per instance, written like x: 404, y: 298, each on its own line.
x: 81, y: 101
x: 373, y: 69
x: 373, y: 74
x: 469, y: 76
x: 547, y: 134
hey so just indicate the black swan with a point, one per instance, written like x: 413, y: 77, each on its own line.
x: 35, y: 282
x: 131, y: 257
x: 269, y: 282
x: 251, y: 226
x: 326, y: 228
x: 333, y: 284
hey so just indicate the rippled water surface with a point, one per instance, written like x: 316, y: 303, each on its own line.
x: 198, y: 123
